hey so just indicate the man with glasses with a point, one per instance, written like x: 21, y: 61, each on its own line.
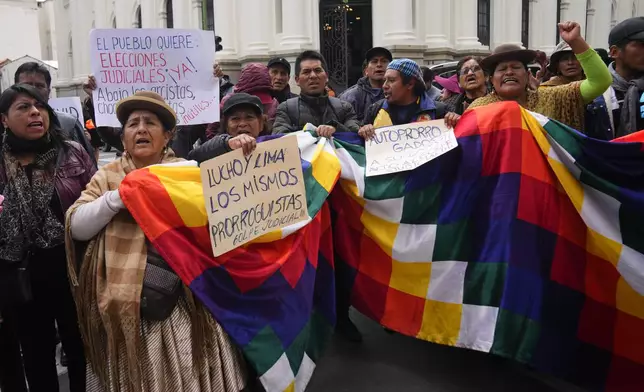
x: 368, y: 90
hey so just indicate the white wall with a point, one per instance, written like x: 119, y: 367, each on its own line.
x: 437, y: 26
x: 19, y: 32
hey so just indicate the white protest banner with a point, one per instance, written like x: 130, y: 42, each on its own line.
x: 248, y: 196
x: 68, y: 105
x: 405, y: 147
x: 175, y: 63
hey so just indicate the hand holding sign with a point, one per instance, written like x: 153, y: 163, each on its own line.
x: 246, y: 142
x: 451, y: 119
x: 367, y: 132
x: 90, y: 85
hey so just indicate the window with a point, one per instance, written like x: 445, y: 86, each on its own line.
x: 484, y: 22
x: 278, y: 17
x: 210, y: 15
x: 137, y: 21
x: 525, y: 23
x: 169, y: 18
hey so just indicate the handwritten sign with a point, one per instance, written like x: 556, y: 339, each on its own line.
x: 405, y: 147
x: 248, y: 196
x: 68, y: 105
x: 176, y: 64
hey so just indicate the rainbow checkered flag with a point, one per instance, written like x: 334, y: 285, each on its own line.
x: 526, y: 242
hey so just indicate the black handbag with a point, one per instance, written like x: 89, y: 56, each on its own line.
x: 161, y: 290
x: 15, y: 284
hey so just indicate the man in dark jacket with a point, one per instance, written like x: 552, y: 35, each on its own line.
x: 406, y: 100
x: 38, y: 76
x: 368, y: 90
x: 314, y: 106
x: 280, y: 70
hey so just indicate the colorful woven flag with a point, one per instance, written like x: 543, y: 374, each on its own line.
x: 274, y: 296
x: 526, y: 242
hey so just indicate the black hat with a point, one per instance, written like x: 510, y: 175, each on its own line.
x: 629, y: 30
x: 507, y: 52
x: 147, y: 100
x: 239, y: 99
x: 373, y: 52
x: 280, y: 61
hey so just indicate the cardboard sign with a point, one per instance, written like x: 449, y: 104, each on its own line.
x: 248, y: 196
x: 176, y: 64
x: 68, y: 105
x: 405, y: 147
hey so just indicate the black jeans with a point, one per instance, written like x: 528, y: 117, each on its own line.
x: 35, y: 326
x: 12, y: 377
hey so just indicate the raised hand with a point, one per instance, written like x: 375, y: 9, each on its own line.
x: 570, y: 31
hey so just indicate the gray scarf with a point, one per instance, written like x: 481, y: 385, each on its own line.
x: 630, y: 107
x: 27, y: 219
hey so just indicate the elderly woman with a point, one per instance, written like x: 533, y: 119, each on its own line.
x: 41, y: 175
x: 471, y: 80
x: 243, y: 121
x: 510, y: 78
x: 143, y: 328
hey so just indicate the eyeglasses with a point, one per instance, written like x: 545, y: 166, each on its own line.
x: 474, y: 69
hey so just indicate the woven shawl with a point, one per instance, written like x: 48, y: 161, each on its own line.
x: 108, y: 280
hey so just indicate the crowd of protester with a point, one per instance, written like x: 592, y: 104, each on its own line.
x: 62, y: 222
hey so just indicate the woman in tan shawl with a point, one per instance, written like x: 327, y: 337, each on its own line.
x: 143, y: 330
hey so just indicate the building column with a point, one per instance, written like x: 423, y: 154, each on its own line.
x: 393, y: 28
x: 197, y: 14
x: 575, y: 10
x: 598, y: 28
x: 254, y: 33
x: 467, y: 25
x: 225, y: 28
x: 506, y: 22
x: 181, y: 15
x: 400, y: 23
x: 80, y: 38
x: 437, y: 33
x: 294, y: 29
x: 101, y: 16
x: 543, y: 25
x: 624, y: 10
x: 62, y: 36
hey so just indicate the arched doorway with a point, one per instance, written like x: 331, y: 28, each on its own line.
x: 346, y: 33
